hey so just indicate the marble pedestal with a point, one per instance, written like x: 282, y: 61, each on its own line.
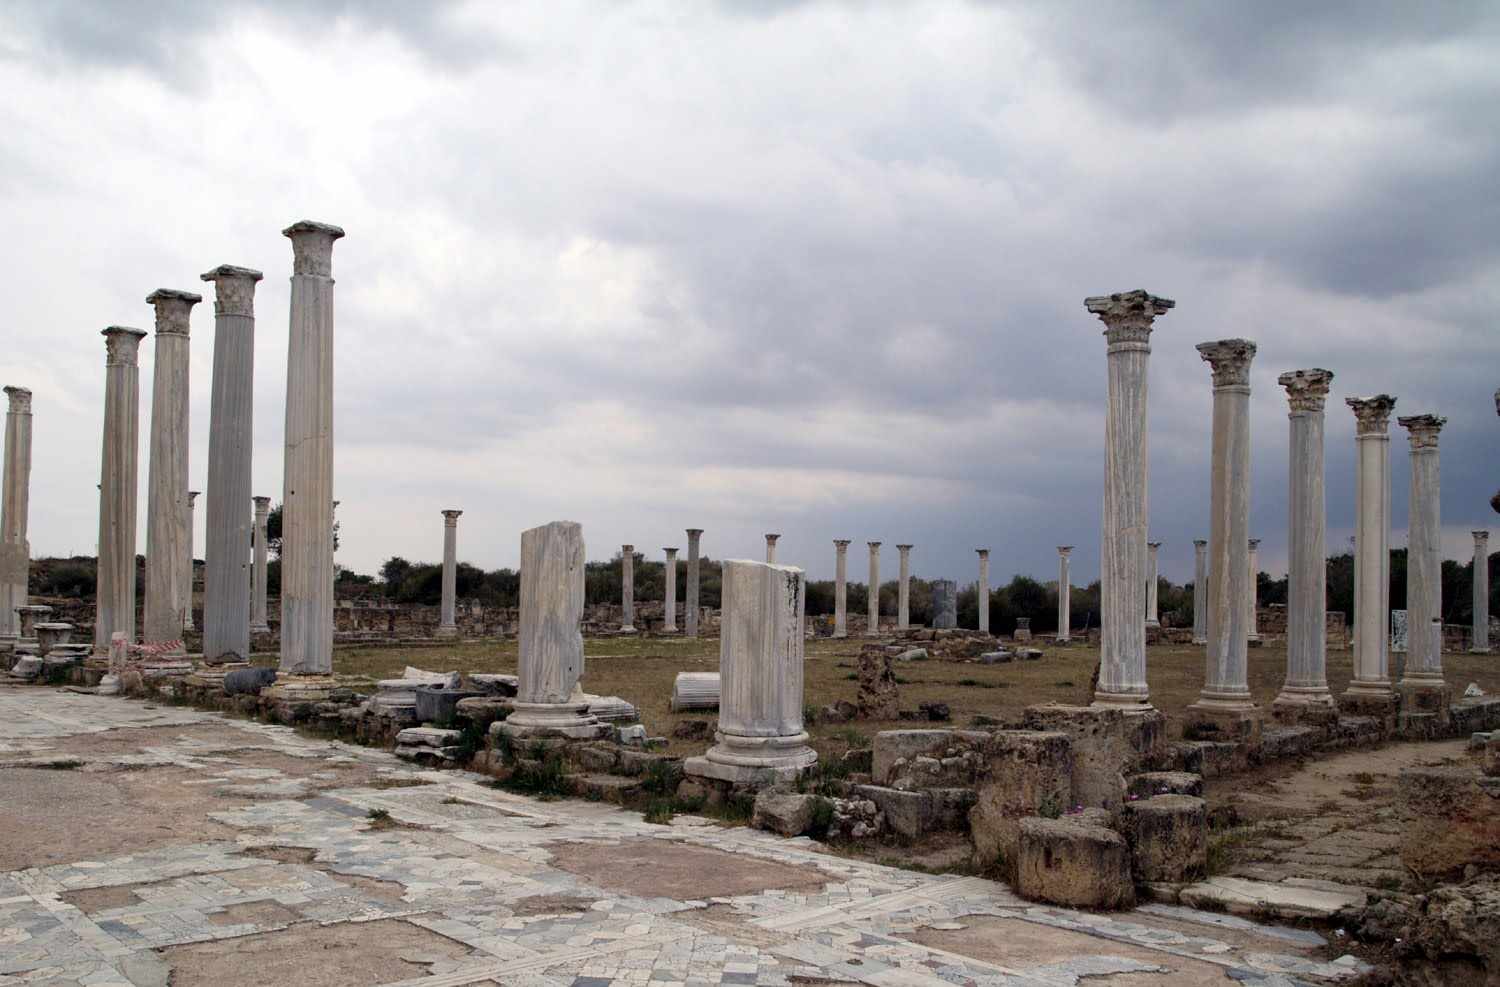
x: 207, y: 676
x: 301, y: 688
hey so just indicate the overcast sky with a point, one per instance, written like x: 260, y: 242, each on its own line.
x: 815, y: 268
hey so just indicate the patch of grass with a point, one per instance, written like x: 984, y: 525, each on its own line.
x: 1064, y: 684
x: 661, y: 777
x: 61, y: 764
x: 378, y: 815
x: 1222, y: 847
x: 381, y: 784
x: 850, y: 736
x: 541, y: 778
x: 659, y: 812
x: 1362, y: 778
x: 1051, y: 807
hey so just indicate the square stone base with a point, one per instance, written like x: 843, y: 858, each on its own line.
x: 1298, y: 711
x: 1424, y: 708
x: 300, y: 688
x: 1210, y: 721
x: 740, y: 775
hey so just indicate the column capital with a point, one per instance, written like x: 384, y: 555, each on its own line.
x: 451, y: 516
x: 1422, y: 430
x: 312, y: 247
x: 1229, y: 360
x: 173, y: 309
x: 1065, y: 550
x: 1372, y: 415
x: 1481, y: 537
x: 1153, y: 545
x: 627, y: 549
x: 1306, y: 389
x: 772, y: 537
x: 1127, y: 315
x: 20, y: 399
x: 903, y: 548
x: 1200, y: 543
x: 694, y: 532
x: 671, y: 552
x: 874, y: 546
x: 841, y: 543
x: 234, y: 289
x: 1254, y: 544
x: 983, y: 553
x: 194, y: 495
x: 121, y: 344
x: 262, y: 504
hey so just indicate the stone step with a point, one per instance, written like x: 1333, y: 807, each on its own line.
x: 427, y: 737
x: 1240, y: 896
x: 607, y: 788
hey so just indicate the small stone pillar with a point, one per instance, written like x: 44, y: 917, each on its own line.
x: 227, y: 532
x: 1153, y: 617
x: 1200, y: 578
x: 1479, y: 643
x: 188, y: 574
x: 550, y: 662
x: 1371, y: 683
x: 982, y: 591
x: 627, y: 589
x: 1424, y: 572
x: 771, y: 540
x: 307, y: 508
x: 118, y: 480
x: 760, y: 738
x: 260, y: 619
x: 944, y: 603
x: 1127, y: 319
x: 447, y: 611
x: 167, y: 471
x: 841, y: 587
x: 15, y: 500
x: 1254, y: 590
x: 690, y: 604
x: 903, y: 590
x: 873, y: 603
x: 669, y: 622
x: 1225, y: 702
x: 1064, y: 596
x: 1307, y: 566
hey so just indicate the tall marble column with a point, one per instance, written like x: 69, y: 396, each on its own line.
x: 167, y: 472
x: 872, y: 606
x: 1424, y: 559
x: 1307, y: 566
x: 187, y: 576
x: 15, y: 501
x: 1480, y: 639
x: 448, y: 604
x: 227, y: 529
x: 627, y: 588
x: 761, y: 736
x: 669, y: 621
x: 1254, y: 589
x: 1153, y: 576
x: 1127, y: 319
x: 1225, y: 701
x: 1372, y: 554
x: 690, y: 603
x: 118, y: 479
x: 771, y: 540
x: 841, y: 587
x: 1064, y: 596
x: 1200, y: 591
x: 982, y: 591
x: 260, y: 618
x: 307, y: 507
x: 903, y: 589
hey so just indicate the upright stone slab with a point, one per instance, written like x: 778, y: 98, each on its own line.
x: 1479, y: 643
x: 982, y: 591
x: 550, y: 664
x: 872, y: 605
x: 627, y: 588
x: 690, y: 604
x: 771, y: 540
x: 841, y: 587
x: 1200, y: 580
x: 669, y: 615
x: 15, y: 501
x: 1127, y: 319
x: 1421, y: 684
x: 760, y: 738
x: 944, y: 603
x: 260, y: 618
x: 167, y: 472
x: 1307, y: 590
x: 187, y: 563
x: 1371, y: 684
x: 903, y: 590
x: 1253, y: 589
x: 447, y: 613
x: 227, y: 523
x: 1153, y: 577
x: 118, y: 480
x: 1064, y: 595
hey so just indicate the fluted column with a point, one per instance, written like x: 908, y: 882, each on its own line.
x: 1127, y: 319
x: 1479, y: 643
x: 627, y: 588
x: 771, y: 540
x: 1226, y: 687
x: 307, y: 507
x: 167, y: 472
x: 118, y: 479
x: 1253, y: 589
x: 903, y: 589
x: 1424, y: 557
x: 1153, y: 616
x: 447, y: 610
x: 1200, y: 591
x: 187, y: 575
x: 1064, y: 596
x: 1372, y: 527
x: 227, y: 524
x: 690, y: 605
x: 873, y: 603
x: 983, y: 589
x: 1307, y: 567
x: 15, y: 500
x: 669, y: 622
x: 260, y: 618
x: 841, y: 587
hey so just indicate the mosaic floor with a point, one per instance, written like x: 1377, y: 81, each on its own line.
x: 250, y: 855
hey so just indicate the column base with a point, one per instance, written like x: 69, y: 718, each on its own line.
x: 260, y: 628
x: 446, y: 631
x: 212, y: 676
x: 753, y: 761
x: 305, y: 688
x: 1424, y: 695
x: 570, y: 721
x: 1128, y: 702
x: 839, y: 635
x: 627, y: 629
x: 1153, y: 623
x: 1298, y: 705
x: 109, y: 685
x: 1480, y: 651
x: 1216, y: 718
x: 1200, y: 641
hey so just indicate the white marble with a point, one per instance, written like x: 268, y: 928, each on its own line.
x: 841, y: 587
x: 982, y: 590
x: 118, y: 480
x: 15, y: 501
x: 1128, y: 319
x: 1153, y: 576
x: 1480, y: 641
x: 1253, y: 589
x: 167, y: 597
x: 1372, y: 525
x: 187, y: 562
x: 903, y: 589
x: 690, y: 601
x: 872, y: 626
x: 695, y: 690
x: 1424, y: 555
x: 1064, y: 595
x: 669, y: 613
x: 627, y: 588
x: 447, y: 619
x: 1200, y: 586
x: 771, y: 540
x: 260, y: 618
x: 1307, y: 570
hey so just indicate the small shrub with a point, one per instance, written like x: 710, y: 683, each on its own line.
x: 659, y: 812
x: 661, y: 778
x: 541, y: 778
x: 822, y: 818
x: 1051, y: 807
x: 61, y: 764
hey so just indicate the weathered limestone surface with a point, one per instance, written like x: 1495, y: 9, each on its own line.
x: 669, y: 617
x: 15, y: 500
x: 1064, y: 595
x: 982, y: 591
x: 1372, y: 522
x: 260, y: 619
x: 1254, y: 590
x: 879, y: 697
x: 841, y: 587
x: 771, y: 540
x: 1424, y: 558
x: 1450, y: 821
x: 307, y: 507
x: 115, y: 589
x: 944, y: 603
x: 1168, y: 838
x: 227, y: 531
x: 1307, y: 606
x: 627, y: 588
x: 903, y: 590
x: 1068, y: 861
x: 1108, y: 745
x: 1153, y: 575
x: 873, y: 604
x: 1024, y: 773
x: 1480, y: 641
x: 1200, y: 580
x: 690, y: 604
x: 1127, y: 319
x: 167, y: 598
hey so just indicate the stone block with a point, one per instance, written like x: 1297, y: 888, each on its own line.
x: 1491, y: 763
x: 427, y: 737
x: 786, y: 813
x: 996, y: 657
x: 913, y: 654
x: 1023, y: 773
x: 1107, y: 745
x: 1070, y: 862
x: 1450, y: 820
x: 913, y: 814
x: 1168, y: 838
x: 1148, y: 784
x: 897, y: 745
x: 878, y: 697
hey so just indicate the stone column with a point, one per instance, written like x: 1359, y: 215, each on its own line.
x: 1127, y: 319
x: 771, y: 547
x: 550, y: 662
x: 15, y: 500
x: 1064, y: 596
x: 118, y: 479
x: 1307, y: 565
x: 447, y: 611
x: 760, y: 737
x: 167, y: 472
x: 690, y: 605
x: 1200, y: 578
x: 307, y: 507
x: 1225, y: 702
x: 1254, y: 590
x: 260, y: 619
x: 944, y: 603
x: 903, y: 590
x: 669, y: 622
x: 1480, y: 639
x: 227, y: 532
x: 1424, y: 566
x: 627, y: 588
x: 982, y: 591
x: 841, y: 587
x: 187, y: 578
x: 873, y: 604
x: 1153, y: 617
x: 1372, y: 525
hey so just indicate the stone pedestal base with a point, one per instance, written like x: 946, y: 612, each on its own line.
x: 1424, y: 706
x: 300, y: 688
x: 212, y: 676
x: 259, y: 628
x: 1223, y: 721
x: 445, y: 633
x: 109, y: 685
x: 1481, y: 651
x: 1313, y: 709
x: 753, y: 761
x: 568, y: 721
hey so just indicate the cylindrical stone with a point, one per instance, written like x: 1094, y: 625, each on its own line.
x: 1153, y: 577
x: 1424, y: 555
x: 1200, y: 589
x: 771, y: 540
x: 1372, y: 525
x: 690, y: 604
x: 260, y: 618
x: 550, y: 644
x: 872, y: 626
x: 944, y: 603
x: 841, y: 587
x: 1253, y: 589
x: 903, y: 589
x: 118, y: 479
x: 1064, y: 595
x: 982, y: 590
x: 447, y: 611
x: 669, y: 615
x: 1479, y: 642
x: 15, y: 500
x: 627, y: 588
x: 1307, y: 568
x: 187, y: 573
x: 167, y: 472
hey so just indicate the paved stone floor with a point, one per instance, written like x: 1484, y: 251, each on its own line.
x: 147, y: 843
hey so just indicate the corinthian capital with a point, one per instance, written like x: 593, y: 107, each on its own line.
x: 173, y: 309
x: 1422, y: 430
x: 312, y: 247
x: 1128, y: 316
x: 234, y: 289
x: 1229, y: 359
x: 1372, y: 415
x: 1306, y: 390
x: 20, y: 400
